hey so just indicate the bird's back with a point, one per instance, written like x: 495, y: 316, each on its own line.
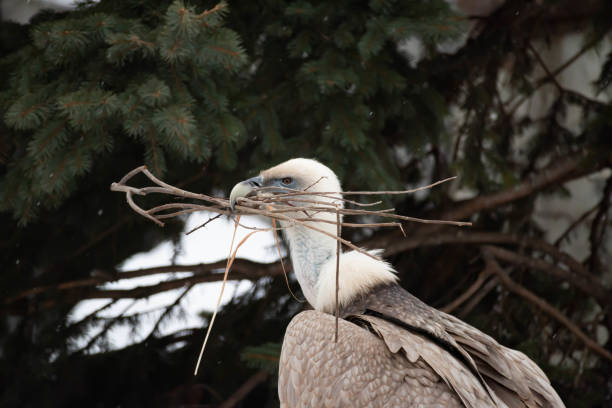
x: 394, y: 350
x: 358, y: 371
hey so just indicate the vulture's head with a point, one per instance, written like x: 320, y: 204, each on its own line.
x: 295, y: 174
x: 313, y: 253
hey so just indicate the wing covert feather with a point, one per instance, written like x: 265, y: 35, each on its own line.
x: 358, y: 371
x: 501, y: 367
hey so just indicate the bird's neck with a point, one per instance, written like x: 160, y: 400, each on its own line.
x: 310, y: 250
x: 313, y: 255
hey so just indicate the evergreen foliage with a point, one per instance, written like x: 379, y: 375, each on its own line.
x: 94, y: 77
x: 205, y: 93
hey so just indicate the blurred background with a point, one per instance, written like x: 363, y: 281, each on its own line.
x: 100, y: 307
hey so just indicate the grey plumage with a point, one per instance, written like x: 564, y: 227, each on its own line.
x: 441, y: 361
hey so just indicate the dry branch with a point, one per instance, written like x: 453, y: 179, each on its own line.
x: 283, y: 201
x: 279, y: 206
x: 478, y: 296
x: 82, y: 289
x: 273, y: 206
x: 243, y: 269
x: 518, y: 289
x: 474, y: 287
x: 574, y: 272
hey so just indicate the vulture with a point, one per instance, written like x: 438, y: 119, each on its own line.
x: 393, y: 350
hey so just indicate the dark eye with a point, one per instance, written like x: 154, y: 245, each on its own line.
x: 287, y: 180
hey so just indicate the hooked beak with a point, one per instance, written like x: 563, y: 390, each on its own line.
x: 243, y: 189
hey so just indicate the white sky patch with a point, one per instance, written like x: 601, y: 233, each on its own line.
x: 21, y: 11
x: 206, y: 245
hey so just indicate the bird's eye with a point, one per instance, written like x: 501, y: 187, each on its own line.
x: 287, y: 180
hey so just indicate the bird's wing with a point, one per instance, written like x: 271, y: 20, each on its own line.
x: 510, y: 370
x: 360, y: 370
x: 444, y: 360
x: 514, y: 378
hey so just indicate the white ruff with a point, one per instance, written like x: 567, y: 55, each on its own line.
x: 358, y: 274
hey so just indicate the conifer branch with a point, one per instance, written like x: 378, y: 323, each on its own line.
x: 167, y: 310
x: 222, y: 5
x: 80, y: 289
x: 550, y: 76
x: 106, y: 328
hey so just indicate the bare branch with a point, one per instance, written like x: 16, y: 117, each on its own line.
x: 574, y: 224
x: 474, y: 287
x: 221, y: 206
x: 562, y: 169
x: 550, y: 76
x: 518, y: 289
x: 598, y: 292
x: 393, y: 246
x: 275, y: 207
x: 478, y: 296
x: 599, y: 226
x: 242, y: 270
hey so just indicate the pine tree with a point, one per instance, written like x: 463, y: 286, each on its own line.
x: 94, y: 77
x: 204, y: 93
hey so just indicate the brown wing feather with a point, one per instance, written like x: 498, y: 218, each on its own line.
x: 515, y: 379
x: 360, y: 370
x: 455, y: 373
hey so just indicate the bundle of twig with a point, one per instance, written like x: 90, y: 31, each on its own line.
x: 273, y: 206
x: 274, y: 203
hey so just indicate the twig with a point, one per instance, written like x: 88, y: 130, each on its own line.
x: 221, y: 206
x: 482, y: 277
x: 575, y: 224
x: 291, y: 192
x: 477, y: 298
x: 203, y: 224
x: 549, y: 75
x: 280, y: 258
x: 599, y: 292
x: 203, y: 273
x: 552, y: 75
x: 516, y: 288
x: 230, y: 259
x: 598, y: 226
x: 338, y: 248
x: 106, y: 328
x: 167, y: 310
x: 386, y: 213
x: 92, y: 314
